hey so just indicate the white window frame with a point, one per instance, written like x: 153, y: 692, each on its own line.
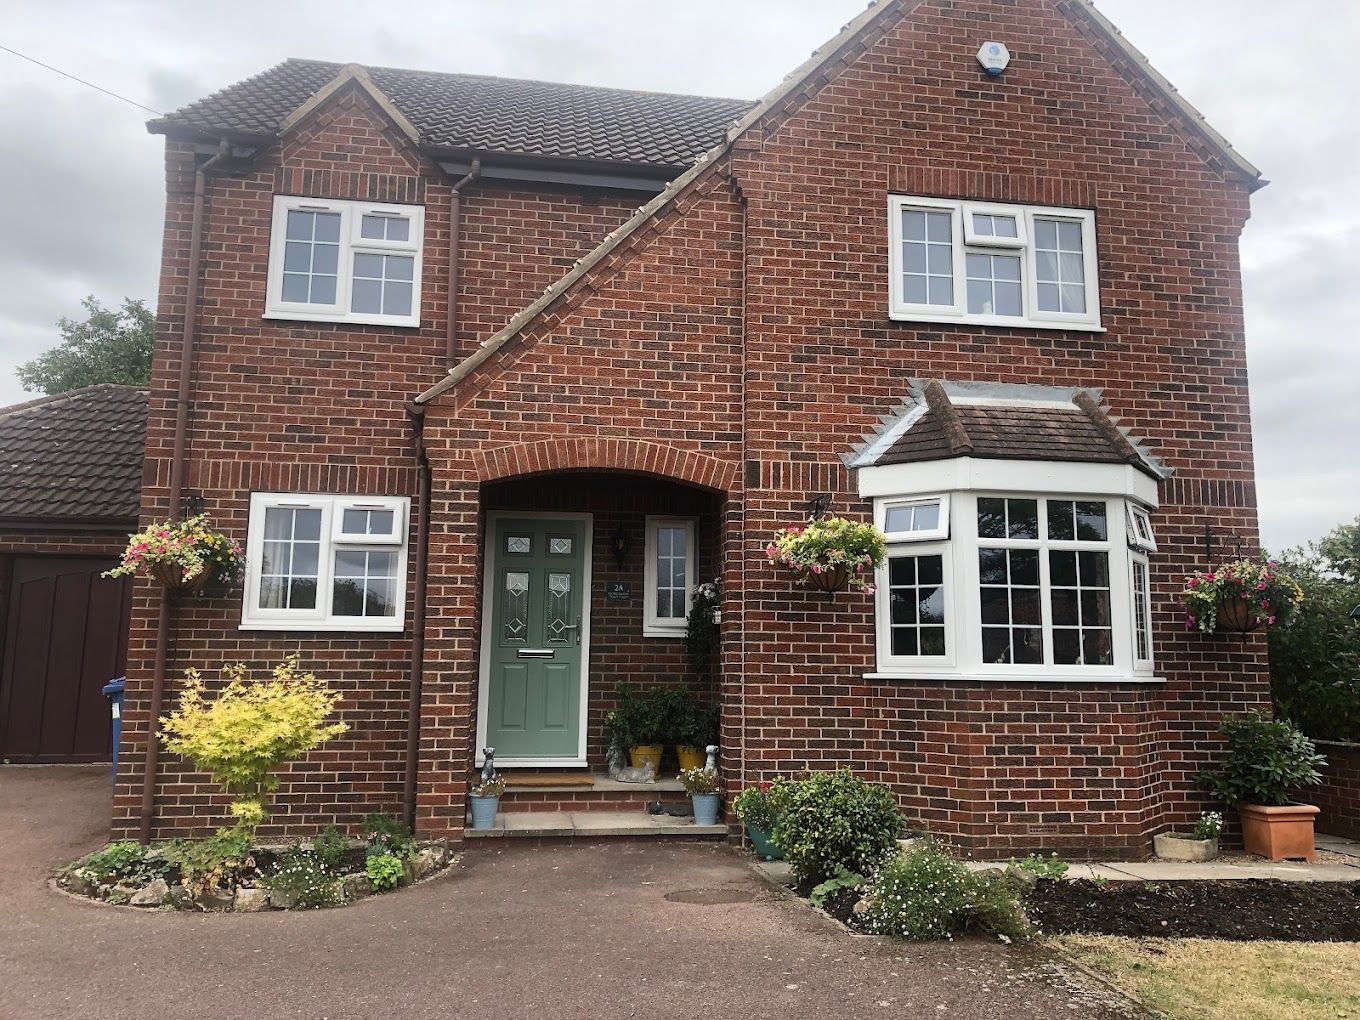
x: 963, y: 599
x: 332, y: 507
x: 1137, y: 560
x: 1141, y: 535
x: 653, y: 625
x: 965, y: 240
x: 351, y: 243
x: 936, y: 534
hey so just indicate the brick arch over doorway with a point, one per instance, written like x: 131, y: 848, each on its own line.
x: 604, y: 455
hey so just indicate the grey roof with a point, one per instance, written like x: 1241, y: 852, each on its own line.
x: 74, y: 456
x: 485, y: 114
x: 943, y: 420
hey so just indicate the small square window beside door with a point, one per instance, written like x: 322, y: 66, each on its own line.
x: 668, y: 576
x: 345, y: 262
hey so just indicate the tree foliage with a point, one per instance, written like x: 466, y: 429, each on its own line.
x: 1315, y: 661
x: 107, y: 346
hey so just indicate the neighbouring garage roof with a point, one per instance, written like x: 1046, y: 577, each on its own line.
x: 477, y: 113
x: 74, y: 456
x: 941, y: 420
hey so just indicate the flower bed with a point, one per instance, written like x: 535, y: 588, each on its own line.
x: 226, y: 873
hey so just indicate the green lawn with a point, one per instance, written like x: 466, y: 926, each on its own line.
x: 1209, y: 979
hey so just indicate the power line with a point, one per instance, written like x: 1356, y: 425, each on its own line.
x: 88, y: 84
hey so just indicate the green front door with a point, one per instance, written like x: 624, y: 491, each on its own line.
x: 538, y: 582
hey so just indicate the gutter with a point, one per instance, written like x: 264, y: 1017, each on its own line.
x: 455, y: 241
x: 177, y: 467
x: 416, y: 670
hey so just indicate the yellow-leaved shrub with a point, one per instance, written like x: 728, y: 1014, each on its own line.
x: 251, y: 728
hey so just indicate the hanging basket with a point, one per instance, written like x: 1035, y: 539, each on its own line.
x: 830, y: 580
x: 1237, y: 616
x: 171, y: 578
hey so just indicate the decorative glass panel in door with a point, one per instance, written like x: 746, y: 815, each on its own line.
x: 534, y: 633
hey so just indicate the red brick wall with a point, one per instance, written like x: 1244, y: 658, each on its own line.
x: 1339, y: 794
x: 641, y: 350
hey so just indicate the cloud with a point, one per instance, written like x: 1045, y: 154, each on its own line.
x: 82, y: 206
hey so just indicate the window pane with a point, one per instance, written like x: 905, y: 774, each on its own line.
x: 366, y: 296
x: 927, y: 257
x: 325, y: 259
x: 927, y: 517
x: 397, y: 299
x: 1025, y: 606
x: 932, y: 641
x: 327, y: 227
x: 913, y: 225
x: 1028, y: 645
x: 1045, y: 233
x: 904, y: 641
x: 368, y: 266
x: 1062, y: 567
x: 323, y: 290
x: 1091, y: 523
x: 380, y: 598
x: 294, y: 287
x: 1073, y: 298
x: 398, y: 228
x: 302, y: 593
x: 930, y: 608
x: 1095, y: 608
x: 993, y: 284
x: 940, y: 227
x: 347, y: 597
x: 1069, y: 236
x: 400, y: 267
x: 1096, y: 648
x: 1022, y: 518
x: 299, y: 225
x: 1008, y: 299
x: 1094, y: 569
x: 1060, y: 520
x: 991, y: 517
x: 996, y: 645
x: 902, y: 570
x: 912, y: 604
x: 1049, y: 298
x: 1025, y: 567
x: 914, y: 290
x: 307, y: 526
x: 940, y: 260
x: 979, y: 297
x: 992, y: 566
x: 914, y: 259
x: 941, y: 291
x: 995, y: 605
x: 297, y: 257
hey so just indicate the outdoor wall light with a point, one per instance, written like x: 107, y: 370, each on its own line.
x: 618, y: 543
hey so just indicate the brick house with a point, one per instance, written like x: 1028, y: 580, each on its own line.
x: 423, y: 353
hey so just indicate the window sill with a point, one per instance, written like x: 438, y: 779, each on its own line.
x: 654, y: 630
x: 993, y: 323
x: 328, y: 626
x: 344, y: 320
x: 1011, y: 678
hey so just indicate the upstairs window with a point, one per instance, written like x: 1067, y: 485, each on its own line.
x: 999, y: 265
x: 338, y: 261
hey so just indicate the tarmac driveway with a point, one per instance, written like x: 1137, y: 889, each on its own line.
x: 516, y: 931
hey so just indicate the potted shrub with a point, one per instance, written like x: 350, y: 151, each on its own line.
x: 702, y: 787
x: 1200, y: 844
x: 830, y: 554
x: 696, y: 726
x: 1240, y: 597
x: 183, y: 555
x: 759, y: 807
x: 485, y: 798
x: 1266, y: 761
x: 640, y: 724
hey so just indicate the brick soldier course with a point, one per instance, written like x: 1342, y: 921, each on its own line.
x: 720, y: 354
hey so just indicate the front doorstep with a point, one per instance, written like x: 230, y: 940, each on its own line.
x: 591, y: 824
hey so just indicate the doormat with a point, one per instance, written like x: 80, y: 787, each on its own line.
x: 529, y: 780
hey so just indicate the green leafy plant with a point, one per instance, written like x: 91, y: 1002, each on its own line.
x: 1265, y: 761
x: 829, y: 543
x: 493, y: 787
x: 125, y: 861
x: 250, y: 729
x: 925, y: 894
x: 1268, y: 596
x: 386, y: 834
x: 215, y: 863
x: 330, y: 848
x: 384, y: 870
x: 695, y: 724
x: 761, y: 805
x: 841, y: 880
x: 641, y: 717
x: 701, y: 630
x: 306, y: 880
x: 1051, y: 866
x: 1209, y: 826
x: 107, y: 346
x: 834, y: 820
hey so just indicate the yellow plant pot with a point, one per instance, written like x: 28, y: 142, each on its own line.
x: 690, y: 757
x: 637, y: 756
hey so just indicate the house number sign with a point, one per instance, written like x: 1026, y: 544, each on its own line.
x: 619, y: 591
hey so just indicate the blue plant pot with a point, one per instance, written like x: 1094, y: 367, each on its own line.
x: 764, y: 846
x: 484, y: 811
x: 706, y: 808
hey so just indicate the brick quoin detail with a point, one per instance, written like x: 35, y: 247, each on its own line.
x: 606, y: 455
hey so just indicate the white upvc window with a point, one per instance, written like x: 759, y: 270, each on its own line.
x: 1015, y: 586
x: 996, y: 265
x: 337, y: 261
x: 668, y: 575
x: 325, y: 562
x: 922, y: 519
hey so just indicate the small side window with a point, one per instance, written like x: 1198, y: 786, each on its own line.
x: 916, y: 520
x: 668, y: 576
x: 1141, y: 535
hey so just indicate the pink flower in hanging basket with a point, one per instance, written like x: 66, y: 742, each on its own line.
x: 816, y: 568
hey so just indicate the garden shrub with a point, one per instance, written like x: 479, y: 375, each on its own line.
x: 307, y: 881
x: 761, y: 805
x: 386, y: 834
x: 250, y: 729
x: 384, y: 870
x: 212, y: 863
x: 925, y: 894
x: 834, y: 820
x: 330, y: 848
x: 1265, y: 762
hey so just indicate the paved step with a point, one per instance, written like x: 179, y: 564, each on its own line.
x: 591, y: 824
x: 597, y: 784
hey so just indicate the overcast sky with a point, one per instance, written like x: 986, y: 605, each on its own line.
x: 81, y: 206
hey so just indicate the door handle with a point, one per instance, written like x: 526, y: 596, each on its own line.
x: 535, y: 653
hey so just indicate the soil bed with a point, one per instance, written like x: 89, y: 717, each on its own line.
x: 1239, y: 909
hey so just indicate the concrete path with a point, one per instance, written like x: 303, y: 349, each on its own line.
x: 1339, y: 845
x: 574, y: 931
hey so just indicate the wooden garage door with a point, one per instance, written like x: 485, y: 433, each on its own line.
x: 65, y: 637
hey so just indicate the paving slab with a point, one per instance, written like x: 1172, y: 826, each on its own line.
x: 1338, y: 845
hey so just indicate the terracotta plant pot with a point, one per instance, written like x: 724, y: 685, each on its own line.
x: 689, y: 756
x: 1279, y: 833
x: 1172, y: 846
x: 637, y: 756
x: 830, y: 580
x: 1236, y: 616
